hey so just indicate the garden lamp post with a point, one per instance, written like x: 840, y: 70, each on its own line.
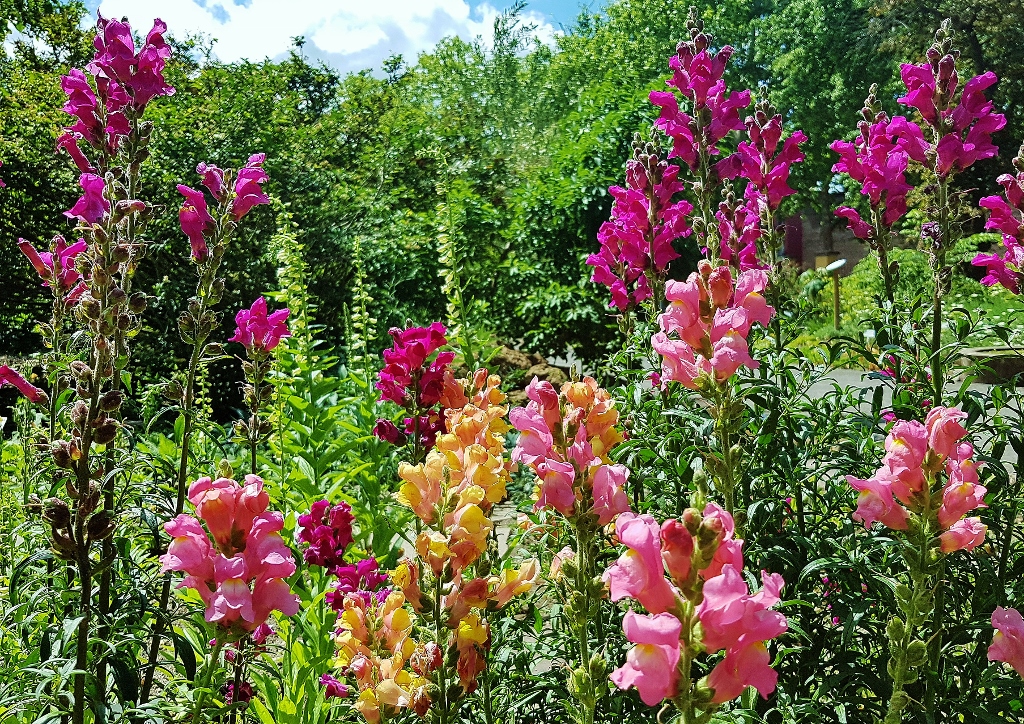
x: 833, y: 269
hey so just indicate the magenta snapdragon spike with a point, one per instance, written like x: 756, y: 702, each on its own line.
x: 139, y: 73
x: 697, y: 76
x: 327, y: 532
x: 363, y: 577
x: 636, y: 243
x: 766, y: 166
x: 963, y: 131
x: 1006, y: 215
x: 878, y: 160
x: 258, y: 331
x: 414, y: 379
x: 26, y: 388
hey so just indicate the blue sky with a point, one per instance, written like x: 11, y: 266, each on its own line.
x: 347, y: 34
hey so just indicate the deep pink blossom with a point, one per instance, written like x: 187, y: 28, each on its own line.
x: 92, y: 206
x: 140, y: 74
x: 652, y: 664
x: 1008, y: 639
x: 248, y: 186
x: 636, y: 243
x: 388, y: 432
x: 258, y: 331
x: 407, y: 357
x: 333, y: 689
x: 327, y: 532
x: 639, y: 572
x: 1006, y: 217
x: 56, y: 268
x: 196, y: 222
x: 757, y: 161
x: 610, y: 497
x: 944, y: 429
x: 15, y: 380
x: 876, y: 503
x: 213, y: 179
x: 68, y: 142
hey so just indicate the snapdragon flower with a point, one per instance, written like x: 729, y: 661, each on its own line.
x: 685, y: 571
x: 1008, y: 638
x: 1007, y: 217
x: 915, y: 452
x: 636, y: 243
x: 239, y: 569
x: 711, y: 317
x: 258, y: 331
x: 10, y: 377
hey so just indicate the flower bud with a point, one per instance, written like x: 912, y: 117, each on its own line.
x: 692, y: 519
x: 79, y: 413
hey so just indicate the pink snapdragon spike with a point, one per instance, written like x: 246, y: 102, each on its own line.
x: 196, y: 221
x: 762, y: 162
x: 965, y: 130
x: 1008, y: 640
x: 711, y: 319
x: 240, y: 575
x: 258, y: 331
x: 582, y: 418
x: 662, y: 570
x: 57, y: 267
x: 92, y: 206
x: 139, y: 73
x: 327, y: 532
x: 878, y: 160
x: 26, y: 388
x: 697, y: 76
x: 248, y: 186
x: 636, y: 243
x: 652, y: 664
x: 1006, y: 216
x: 914, y: 453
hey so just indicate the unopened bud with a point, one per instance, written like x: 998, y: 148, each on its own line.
x: 137, y: 303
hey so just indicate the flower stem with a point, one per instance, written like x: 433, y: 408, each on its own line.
x: 211, y: 666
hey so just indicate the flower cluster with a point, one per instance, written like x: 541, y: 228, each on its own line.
x: 411, y: 379
x: 684, y: 572
x: 375, y: 647
x: 1006, y: 217
x: 878, y: 160
x: 636, y: 243
x: 195, y: 219
x: 565, y: 438
x: 15, y: 380
x: 57, y: 267
x: 1008, y: 639
x: 711, y: 318
x: 762, y: 162
x: 240, y: 574
x: 327, y: 532
x: 964, y: 130
x: 915, y: 452
x: 452, y: 493
x: 697, y: 76
x: 259, y: 332
x: 125, y: 82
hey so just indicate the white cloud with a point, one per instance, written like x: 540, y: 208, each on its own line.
x: 348, y: 34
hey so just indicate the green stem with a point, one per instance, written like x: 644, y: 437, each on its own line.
x: 211, y: 666
x: 442, y: 671
x: 939, y: 276
x: 588, y: 706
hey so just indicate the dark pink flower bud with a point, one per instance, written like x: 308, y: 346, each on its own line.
x: 389, y: 432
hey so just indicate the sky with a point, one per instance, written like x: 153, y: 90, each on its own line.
x: 349, y: 35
